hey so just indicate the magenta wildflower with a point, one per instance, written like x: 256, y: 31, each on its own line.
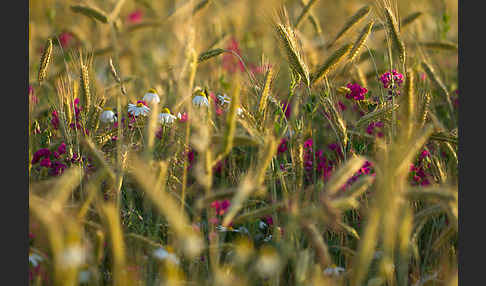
x: 65, y: 39
x: 62, y: 148
x: 375, y: 128
x: 32, y: 98
x: 57, y: 168
x: 55, y: 120
x: 135, y: 17
x: 357, y: 92
x: 183, y: 117
x: 230, y: 62
x: 220, y: 206
x: 342, y: 106
x: 425, y: 153
x: 46, y: 162
x: 391, y: 79
x: 44, y: 152
x: 283, y: 146
x: 366, y: 169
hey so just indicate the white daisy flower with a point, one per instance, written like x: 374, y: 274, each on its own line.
x: 334, y: 271
x: 165, y: 117
x: 262, y: 225
x: 107, y: 116
x: 162, y: 254
x: 35, y: 259
x: 200, y: 97
x: 223, y: 99
x: 138, y: 109
x: 151, y: 97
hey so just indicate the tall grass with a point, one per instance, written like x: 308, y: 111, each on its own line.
x: 282, y: 178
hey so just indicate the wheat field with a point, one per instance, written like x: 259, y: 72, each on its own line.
x: 243, y: 142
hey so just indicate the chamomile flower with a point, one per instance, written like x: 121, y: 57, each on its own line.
x: 108, y: 116
x: 138, y: 109
x: 35, y: 259
x: 151, y: 97
x: 165, y: 117
x: 200, y: 97
x: 223, y: 99
x: 162, y: 254
x: 334, y: 270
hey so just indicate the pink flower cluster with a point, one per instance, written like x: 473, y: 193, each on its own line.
x: 375, y: 128
x: 135, y: 17
x: 230, y: 62
x: 357, y: 92
x: 282, y: 147
x: 391, y: 79
x: 418, y: 171
x: 366, y: 169
x: 323, y: 166
x: 220, y: 206
x: 44, y: 156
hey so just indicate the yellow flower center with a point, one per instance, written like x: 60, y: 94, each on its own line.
x: 152, y: 90
x: 166, y: 110
x: 139, y: 104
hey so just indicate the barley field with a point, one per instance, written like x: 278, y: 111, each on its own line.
x: 243, y: 142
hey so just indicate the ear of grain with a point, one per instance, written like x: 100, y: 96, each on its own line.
x: 403, y: 22
x: 45, y: 59
x: 438, y: 82
x: 85, y: 88
x: 230, y: 122
x: 392, y: 25
x: 360, y: 41
x: 378, y: 113
x: 330, y: 63
x: 318, y: 243
x: 410, y: 19
x: 336, y: 120
x: 361, y: 76
x: 312, y: 18
x: 294, y: 57
x: 266, y: 92
x: 340, y: 177
x: 200, y: 7
x: 113, y: 71
x: 439, y: 46
x: 209, y: 54
x: 64, y: 186
x: 407, y: 108
x: 351, y: 23
x: 414, y: 147
x: 424, y: 110
x: 305, y: 12
x: 90, y: 11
